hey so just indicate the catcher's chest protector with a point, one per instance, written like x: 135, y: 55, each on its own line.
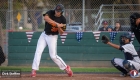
x: 2, y: 57
x: 139, y: 54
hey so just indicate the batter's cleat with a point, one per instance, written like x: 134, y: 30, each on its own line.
x: 33, y: 74
x: 69, y: 71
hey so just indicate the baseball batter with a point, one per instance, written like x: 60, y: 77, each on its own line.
x: 55, y: 23
x: 131, y: 61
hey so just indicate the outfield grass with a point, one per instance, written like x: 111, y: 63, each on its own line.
x: 56, y: 69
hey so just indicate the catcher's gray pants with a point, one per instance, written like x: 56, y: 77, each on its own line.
x: 119, y: 62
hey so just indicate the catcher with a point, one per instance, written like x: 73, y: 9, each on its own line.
x: 131, y: 61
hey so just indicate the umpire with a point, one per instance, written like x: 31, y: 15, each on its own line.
x: 135, y: 26
x: 2, y: 56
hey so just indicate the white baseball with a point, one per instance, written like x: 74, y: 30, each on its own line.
x: 20, y: 28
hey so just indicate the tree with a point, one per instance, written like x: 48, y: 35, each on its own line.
x: 32, y: 8
x: 3, y: 10
x: 131, y: 7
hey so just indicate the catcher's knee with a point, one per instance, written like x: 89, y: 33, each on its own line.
x: 127, y: 65
x: 113, y: 62
x: 118, y: 67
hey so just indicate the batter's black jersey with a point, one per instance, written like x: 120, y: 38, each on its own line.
x: 48, y: 28
x: 130, y: 52
x: 137, y: 32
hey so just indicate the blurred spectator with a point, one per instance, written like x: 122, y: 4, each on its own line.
x: 105, y: 26
x: 109, y: 29
x: 117, y: 27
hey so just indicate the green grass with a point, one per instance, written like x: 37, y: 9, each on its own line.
x: 56, y: 69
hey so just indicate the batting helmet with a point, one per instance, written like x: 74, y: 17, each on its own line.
x: 59, y: 7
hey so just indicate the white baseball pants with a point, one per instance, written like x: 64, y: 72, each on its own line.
x: 51, y: 41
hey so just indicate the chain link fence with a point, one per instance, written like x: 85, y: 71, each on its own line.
x: 88, y: 13
x: 26, y: 15
x: 3, y: 37
x: 116, y: 13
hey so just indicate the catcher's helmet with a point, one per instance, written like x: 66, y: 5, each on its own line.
x: 126, y: 35
x: 59, y: 7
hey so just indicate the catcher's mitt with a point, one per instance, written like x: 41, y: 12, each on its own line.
x: 105, y: 39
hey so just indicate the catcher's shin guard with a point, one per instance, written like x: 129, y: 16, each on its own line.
x: 128, y: 65
x: 118, y: 67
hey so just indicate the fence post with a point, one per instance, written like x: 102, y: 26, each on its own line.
x: 9, y: 18
x: 83, y: 22
x: 10, y: 13
x: 113, y: 15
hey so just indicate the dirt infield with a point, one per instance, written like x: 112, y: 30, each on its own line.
x: 75, y: 77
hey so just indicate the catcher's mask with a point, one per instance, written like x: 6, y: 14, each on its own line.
x: 123, y: 37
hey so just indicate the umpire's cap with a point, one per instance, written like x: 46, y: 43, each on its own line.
x: 135, y: 15
x: 59, y: 7
x: 127, y: 35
